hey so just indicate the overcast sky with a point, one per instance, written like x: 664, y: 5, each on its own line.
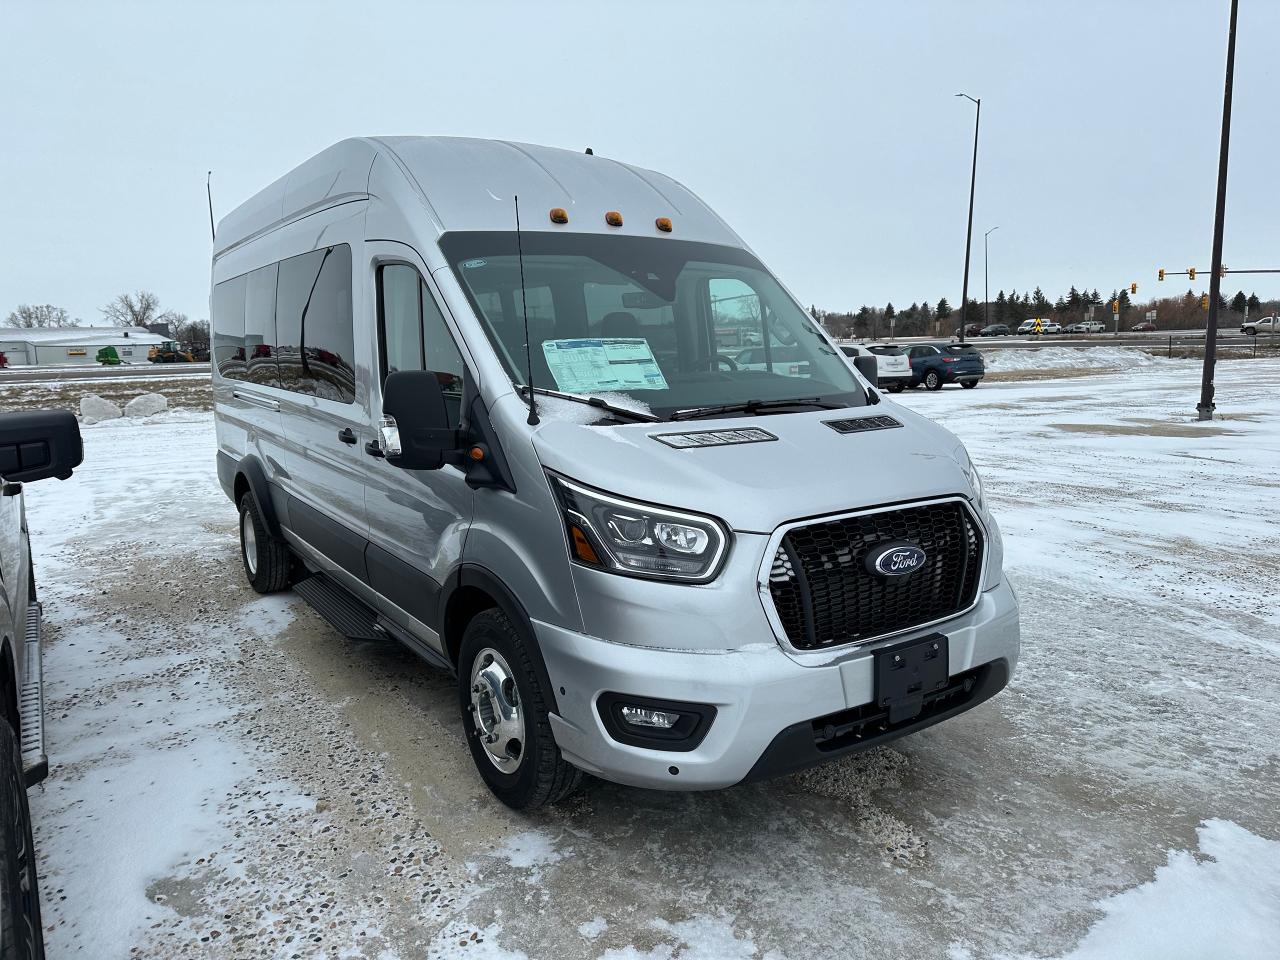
x: 827, y: 134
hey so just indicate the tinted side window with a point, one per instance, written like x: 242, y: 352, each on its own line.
x: 260, y: 327
x: 228, y: 328
x: 401, y: 319
x: 414, y: 335
x: 314, y: 324
x: 442, y: 355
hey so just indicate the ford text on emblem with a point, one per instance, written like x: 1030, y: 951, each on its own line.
x: 896, y: 559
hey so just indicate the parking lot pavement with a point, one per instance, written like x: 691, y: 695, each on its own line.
x: 232, y: 779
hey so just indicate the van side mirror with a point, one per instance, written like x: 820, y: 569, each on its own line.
x: 415, y: 429
x: 38, y: 445
x: 867, y: 367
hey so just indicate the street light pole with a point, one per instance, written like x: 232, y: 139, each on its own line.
x: 968, y: 239
x: 986, y: 292
x: 1204, y: 409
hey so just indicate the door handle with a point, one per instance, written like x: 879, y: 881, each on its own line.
x: 347, y: 435
x: 373, y: 450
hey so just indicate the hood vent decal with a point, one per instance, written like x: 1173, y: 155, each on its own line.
x: 713, y: 438
x: 862, y: 424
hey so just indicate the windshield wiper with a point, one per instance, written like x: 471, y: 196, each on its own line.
x: 753, y: 406
x: 634, y: 415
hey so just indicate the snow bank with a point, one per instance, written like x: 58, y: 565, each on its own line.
x: 94, y: 409
x: 146, y: 405
x: 1223, y: 903
x: 1059, y: 358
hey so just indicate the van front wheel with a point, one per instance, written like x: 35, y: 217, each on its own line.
x: 504, y: 715
x: 265, y: 557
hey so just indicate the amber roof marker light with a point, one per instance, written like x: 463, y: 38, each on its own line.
x: 613, y: 218
x: 663, y: 224
x: 559, y: 215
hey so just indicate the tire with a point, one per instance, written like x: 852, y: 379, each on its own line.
x: 896, y: 387
x: 933, y: 380
x: 537, y: 774
x: 21, y: 932
x: 969, y: 384
x: 265, y: 557
x: 1250, y: 331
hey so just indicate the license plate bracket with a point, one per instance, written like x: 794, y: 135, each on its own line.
x: 907, y: 672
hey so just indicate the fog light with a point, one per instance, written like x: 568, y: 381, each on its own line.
x: 653, y: 719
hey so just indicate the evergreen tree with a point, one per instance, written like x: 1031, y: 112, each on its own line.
x: 1094, y: 298
x: 943, y: 310
x: 1254, y: 303
x: 1040, y: 302
x: 1002, y: 308
x: 1239, y: 302
x: 1074, y: 300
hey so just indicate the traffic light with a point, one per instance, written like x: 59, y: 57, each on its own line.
x: 1133, y: 288
x: 1191, y: 273
x: 1115, y: 305
x: 1161, y: 276
x: 1204, y: 302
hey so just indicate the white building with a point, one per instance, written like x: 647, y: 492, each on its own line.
x: 51, y: 346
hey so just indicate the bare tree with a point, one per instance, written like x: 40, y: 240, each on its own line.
x: 192, y: 332
x: 137, y: 310
x: 40, y: 315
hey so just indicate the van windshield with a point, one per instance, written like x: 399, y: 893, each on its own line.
x: 671, y: 324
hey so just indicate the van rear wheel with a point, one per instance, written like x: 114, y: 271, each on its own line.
x: 504, y: 715
x: 265, y: 557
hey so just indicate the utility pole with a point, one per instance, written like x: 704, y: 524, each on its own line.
x: 986, y: 287
x: 968, y: 238
x: 1204, y: 408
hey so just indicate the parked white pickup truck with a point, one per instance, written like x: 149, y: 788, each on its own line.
x: 1252, y: 328
x: 893, y: 369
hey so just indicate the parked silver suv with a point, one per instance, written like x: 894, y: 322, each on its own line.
x: 468, y: 397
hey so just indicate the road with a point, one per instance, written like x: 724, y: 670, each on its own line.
x: 89, y: 373
x: 230, y: 778
x: 1150, y: 341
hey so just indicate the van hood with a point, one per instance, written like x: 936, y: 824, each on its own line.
x: 810, y: 469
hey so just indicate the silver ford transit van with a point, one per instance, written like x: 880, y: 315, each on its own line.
x: 532, y: 451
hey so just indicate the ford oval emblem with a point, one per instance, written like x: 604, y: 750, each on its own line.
x: 896, y: 559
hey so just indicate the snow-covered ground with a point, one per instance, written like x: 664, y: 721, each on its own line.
x: 1073, y: 358
x: 232, y: 779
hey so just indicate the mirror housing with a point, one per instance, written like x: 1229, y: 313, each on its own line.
x: 414, y: 414
x: 867, y: 366
x: 38, y: 445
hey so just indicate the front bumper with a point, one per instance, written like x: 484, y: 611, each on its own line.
x: 762, y: 697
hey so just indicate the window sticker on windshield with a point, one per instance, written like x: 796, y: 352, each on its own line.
x: 589, y: 364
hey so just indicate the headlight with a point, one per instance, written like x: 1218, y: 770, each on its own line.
x: 639, y: 539
x: 971, y: 472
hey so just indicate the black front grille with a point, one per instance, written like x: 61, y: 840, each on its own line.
x: 825, y: 595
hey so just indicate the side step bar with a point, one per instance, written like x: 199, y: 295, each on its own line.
x: 35, y: 762
x: 356, y: 620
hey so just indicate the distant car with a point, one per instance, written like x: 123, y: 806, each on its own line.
x: 1145, y: 327
x: 1087, y: 326
x: 788, y: 361
x: 937, y: 364
x: 994, y: 330
x: 33, y: 446
x: 1046, y: 326
x: 893, y: 371
x: 1262, y: 325
x: 970, y: 330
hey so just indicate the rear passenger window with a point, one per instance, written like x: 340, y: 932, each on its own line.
x: 414, y: 336
x: 228, y: 328
x: 260, y: 327
x: 315, y: 331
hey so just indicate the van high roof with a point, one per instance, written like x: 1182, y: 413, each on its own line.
x: 462, y: 183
